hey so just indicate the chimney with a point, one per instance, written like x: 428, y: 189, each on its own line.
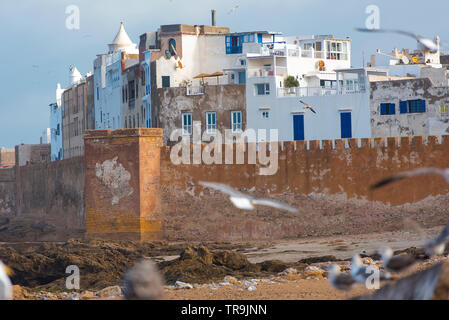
x: 373, y: 61
x: 214, y: 19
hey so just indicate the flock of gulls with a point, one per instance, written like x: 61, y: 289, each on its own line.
x: 143, y: 281
x: 391, y: 263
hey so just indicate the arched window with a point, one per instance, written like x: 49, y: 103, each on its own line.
x: 172, y: 46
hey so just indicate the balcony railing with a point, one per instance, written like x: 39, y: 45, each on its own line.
x: 317, y: 91
x: 266, y: 72
x: 260, y: 72
x: 195, y: 91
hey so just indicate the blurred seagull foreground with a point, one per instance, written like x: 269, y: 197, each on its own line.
x: 143, y: 282
x: 246, y: 202
x: 396, y: 263
x: 427, y: 43
x: 437, y: 245
x: 5, y: 283
x: 360, y: 272
x: 412, y: 173
x: 338, y: 280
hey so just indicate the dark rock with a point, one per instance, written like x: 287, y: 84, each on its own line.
x: 318, y: 259
x: 231, y: 259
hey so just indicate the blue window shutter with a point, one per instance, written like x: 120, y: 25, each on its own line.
x: 393, y: 108
x: 423, y: 105
x: 383, y: 109
x: 259, y: 38
x: 403, y: 106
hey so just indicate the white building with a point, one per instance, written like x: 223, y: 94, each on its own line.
x: 56, y: 126
x: 339, y: 99
x: 146, y: 99
x: 408, y: 96
x: 46, y: 136
x: 108, y: 79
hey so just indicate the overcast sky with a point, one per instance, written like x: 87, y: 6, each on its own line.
x: 37, y: 49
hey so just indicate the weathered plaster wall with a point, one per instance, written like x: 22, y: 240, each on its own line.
x: 132, y: 190
x: 52, y: 192
x: 330, y: 186
x: 409, y: 124
x: 122, y: 184
x: 222, y: 99
x: 7, y: 192
x: 42, y: 202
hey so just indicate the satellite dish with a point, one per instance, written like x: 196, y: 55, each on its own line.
x: 167, y: 54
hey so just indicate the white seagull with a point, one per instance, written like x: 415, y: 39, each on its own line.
x: 246, y: 202
x: 396, y: 263
x: 429, y: 44
x: 233, y: 9
x: 143, y: 282
x: 5, y: 283
x: 338, y: 280
x: 307, y: 106
x: 360, y: 272
x: 412, y: 173
x: 437, y: 245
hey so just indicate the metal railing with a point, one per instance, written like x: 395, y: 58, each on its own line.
x: 195, y: 91
x: 317, y: 91
x: 266, y: 72
x: 283, y: 49
x: 260, y: 72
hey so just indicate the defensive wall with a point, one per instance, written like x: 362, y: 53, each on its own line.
x: 127, y: 187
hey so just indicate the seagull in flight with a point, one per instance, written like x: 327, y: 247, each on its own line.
x: 246, y: 202
x: 143, y: 282
x: 338, y: 280
x: 427, y: 43
x: 233, y: 9
x: 360, y: 272
x: 437, y: 245
x: 5, y: 283
x: 396, y: 263
x: 412, y: 173
x: 307, y: 106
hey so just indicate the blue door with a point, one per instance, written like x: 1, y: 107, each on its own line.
x: 346, y: 126
x: 298, y: 127
x: 242, y: 77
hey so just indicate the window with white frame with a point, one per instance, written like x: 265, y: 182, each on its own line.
x: 352, y: 85
x: 211, y: 122
x: 265, y: 114
x: 262, y: 89
x: 336, y: 50
x: 444, y: 111
x: 308, y: 45
x: 186, y: 118
x: 236, y: 121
